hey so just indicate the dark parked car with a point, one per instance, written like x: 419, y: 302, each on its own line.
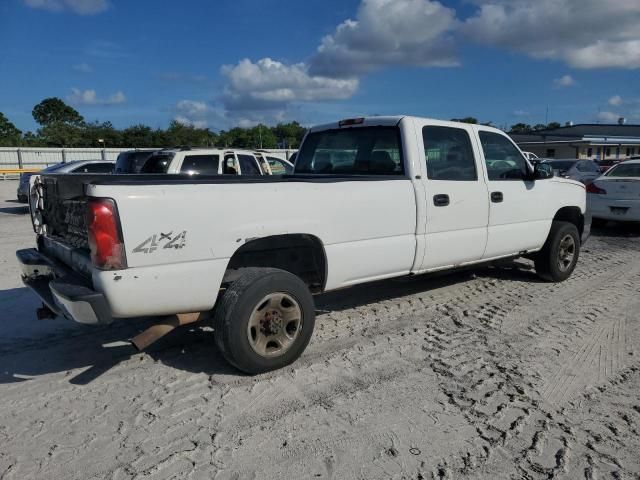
x: 78, y: 166
x: 607, y: 164
x: 585, y: 171
x: 132, y: 161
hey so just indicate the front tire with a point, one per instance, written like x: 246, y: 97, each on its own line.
x: 264, y: 320
x: 559, y: 255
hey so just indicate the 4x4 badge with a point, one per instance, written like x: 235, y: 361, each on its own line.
x: 162, y: 240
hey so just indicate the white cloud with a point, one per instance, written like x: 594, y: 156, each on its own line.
x: 521, y: 113
x: 90, y: 97
x: 191, y: 123
x: 564, y: 81
x: 83, y: 68
x: 263, y: 89
x: 198, y: 114
x: 384, y: 33
x: 616, y: 100
x: 81, y: 7
x: 387, y: 33
x: 582, y: 33
x: 608, y: 117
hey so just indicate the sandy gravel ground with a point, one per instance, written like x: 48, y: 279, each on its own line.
x: 489, y: 374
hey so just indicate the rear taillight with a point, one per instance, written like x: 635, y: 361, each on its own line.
x: 105, y: 239
x: 593, y: 188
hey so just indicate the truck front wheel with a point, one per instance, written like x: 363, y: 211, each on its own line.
x: 264, y: 320
x: 559, y: 255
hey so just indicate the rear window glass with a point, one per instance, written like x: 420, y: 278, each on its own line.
x: 279, y: 167
x: 95, y: 168
x: 131, y: 162
x: 200, y: 164
x: 353, y: 151
x: 622, y: 170
x: 53, y: 168
x: 561, y: 165
x: 157, y: 164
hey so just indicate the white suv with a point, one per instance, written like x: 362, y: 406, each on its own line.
x: 206, y: 162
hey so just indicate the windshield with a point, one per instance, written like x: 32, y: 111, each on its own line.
x: 353, y: 151
x: 157, y: 163
x: 561, y: 164
x: 55, y: 167
x: 624, y: 170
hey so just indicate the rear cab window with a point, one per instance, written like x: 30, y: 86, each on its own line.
x: 157, y: 163
x: 352, y: 151
x: 200, y: 164
x: 625, y: 170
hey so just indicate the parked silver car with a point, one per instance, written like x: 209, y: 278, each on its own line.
x: 78, y: 166
x: 585, y: 171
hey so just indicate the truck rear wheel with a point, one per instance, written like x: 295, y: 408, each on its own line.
x: 559, y: 255
x: 264, y: 320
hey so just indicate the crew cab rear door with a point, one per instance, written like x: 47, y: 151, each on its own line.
x: 457, y: 205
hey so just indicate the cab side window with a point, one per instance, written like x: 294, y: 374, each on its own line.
x: 449, y: 154
x: 504, y: 161
x: 248, y: 165
x: 229, y: 166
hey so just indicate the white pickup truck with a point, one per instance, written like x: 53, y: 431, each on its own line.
x: 370, y: 198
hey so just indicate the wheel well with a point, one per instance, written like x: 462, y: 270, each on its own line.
x: 572, y: 215
x: 301, y: 254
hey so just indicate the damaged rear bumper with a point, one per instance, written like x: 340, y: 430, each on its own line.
x: 62, y: 291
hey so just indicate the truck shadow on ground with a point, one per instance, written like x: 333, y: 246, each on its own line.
x: 617, y: 230
x: 69, y: 347
x: 19, y: 210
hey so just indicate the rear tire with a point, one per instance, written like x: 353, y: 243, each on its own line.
x: 264, y: 320
x: 559, y: 255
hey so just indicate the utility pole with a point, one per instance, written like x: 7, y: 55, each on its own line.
x: 546, y: 117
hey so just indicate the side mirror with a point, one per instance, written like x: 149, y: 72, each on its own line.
x: 542, y: 171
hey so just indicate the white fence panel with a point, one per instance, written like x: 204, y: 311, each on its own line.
x: 43, y: 157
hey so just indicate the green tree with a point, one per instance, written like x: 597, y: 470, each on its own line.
x: 61, y: 134
x: 92, y: 132
x: 465, y: 120
x: 53, y: 110
x: 180, y: 134
x: 289, y: 135
x: 9, y: 134
x: 520, y: 128
x: 139, y: 136
x: 539, y: 126
x: 553, y: 125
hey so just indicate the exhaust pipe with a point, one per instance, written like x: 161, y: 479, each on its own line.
x: 159, y: 330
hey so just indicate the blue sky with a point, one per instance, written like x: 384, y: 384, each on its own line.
x: 229, y: 62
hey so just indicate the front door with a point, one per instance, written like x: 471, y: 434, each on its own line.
x: 518, y: 216
x: 456, y: 195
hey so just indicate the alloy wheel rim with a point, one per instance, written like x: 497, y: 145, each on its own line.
x: 566, y: 252
x: 274, y: 325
